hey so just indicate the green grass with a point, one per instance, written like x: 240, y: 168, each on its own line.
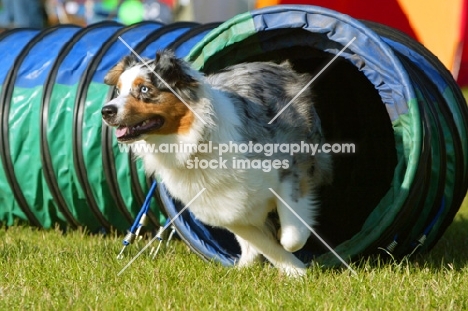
x: 47, y: 270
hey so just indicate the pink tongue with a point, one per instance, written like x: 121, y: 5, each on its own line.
x: 121, y: 131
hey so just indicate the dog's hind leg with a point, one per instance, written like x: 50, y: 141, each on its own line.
x: 294, y: 233
x: 264, y: 242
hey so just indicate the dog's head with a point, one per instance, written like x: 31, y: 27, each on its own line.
x: 146, y: 102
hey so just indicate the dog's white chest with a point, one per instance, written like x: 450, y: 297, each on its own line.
x: 226, y: 201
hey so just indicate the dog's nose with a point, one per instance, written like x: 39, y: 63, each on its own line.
x: 109, y: 111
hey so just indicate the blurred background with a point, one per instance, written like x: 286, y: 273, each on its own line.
x: 40, y: 13
x: 441, y: 25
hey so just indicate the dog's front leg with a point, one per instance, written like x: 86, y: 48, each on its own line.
x: 249, y: 255
x: 263, y: 241
x: 294, y: 233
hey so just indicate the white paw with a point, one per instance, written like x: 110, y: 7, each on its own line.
x: 293, y: 239
x: 247, y: 260
x: 293, y: 272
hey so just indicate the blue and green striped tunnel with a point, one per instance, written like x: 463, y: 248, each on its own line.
x: 385, y: 93
x: 59, y: 165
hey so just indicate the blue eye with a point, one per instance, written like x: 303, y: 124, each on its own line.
x: 144, y: 89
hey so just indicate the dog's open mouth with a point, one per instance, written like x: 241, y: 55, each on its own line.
x: 127, y: 133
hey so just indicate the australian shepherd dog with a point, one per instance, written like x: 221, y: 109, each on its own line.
x: 165, y: 101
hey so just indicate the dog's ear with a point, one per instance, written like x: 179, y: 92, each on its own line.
x: 173, y: 70
x: 112, y: 77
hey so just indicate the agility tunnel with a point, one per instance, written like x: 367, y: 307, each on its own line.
x: 384, y: 93
x: 59, y: 165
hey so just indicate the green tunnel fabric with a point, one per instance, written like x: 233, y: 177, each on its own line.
x: 61, y: 166
x: 429, y: 180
